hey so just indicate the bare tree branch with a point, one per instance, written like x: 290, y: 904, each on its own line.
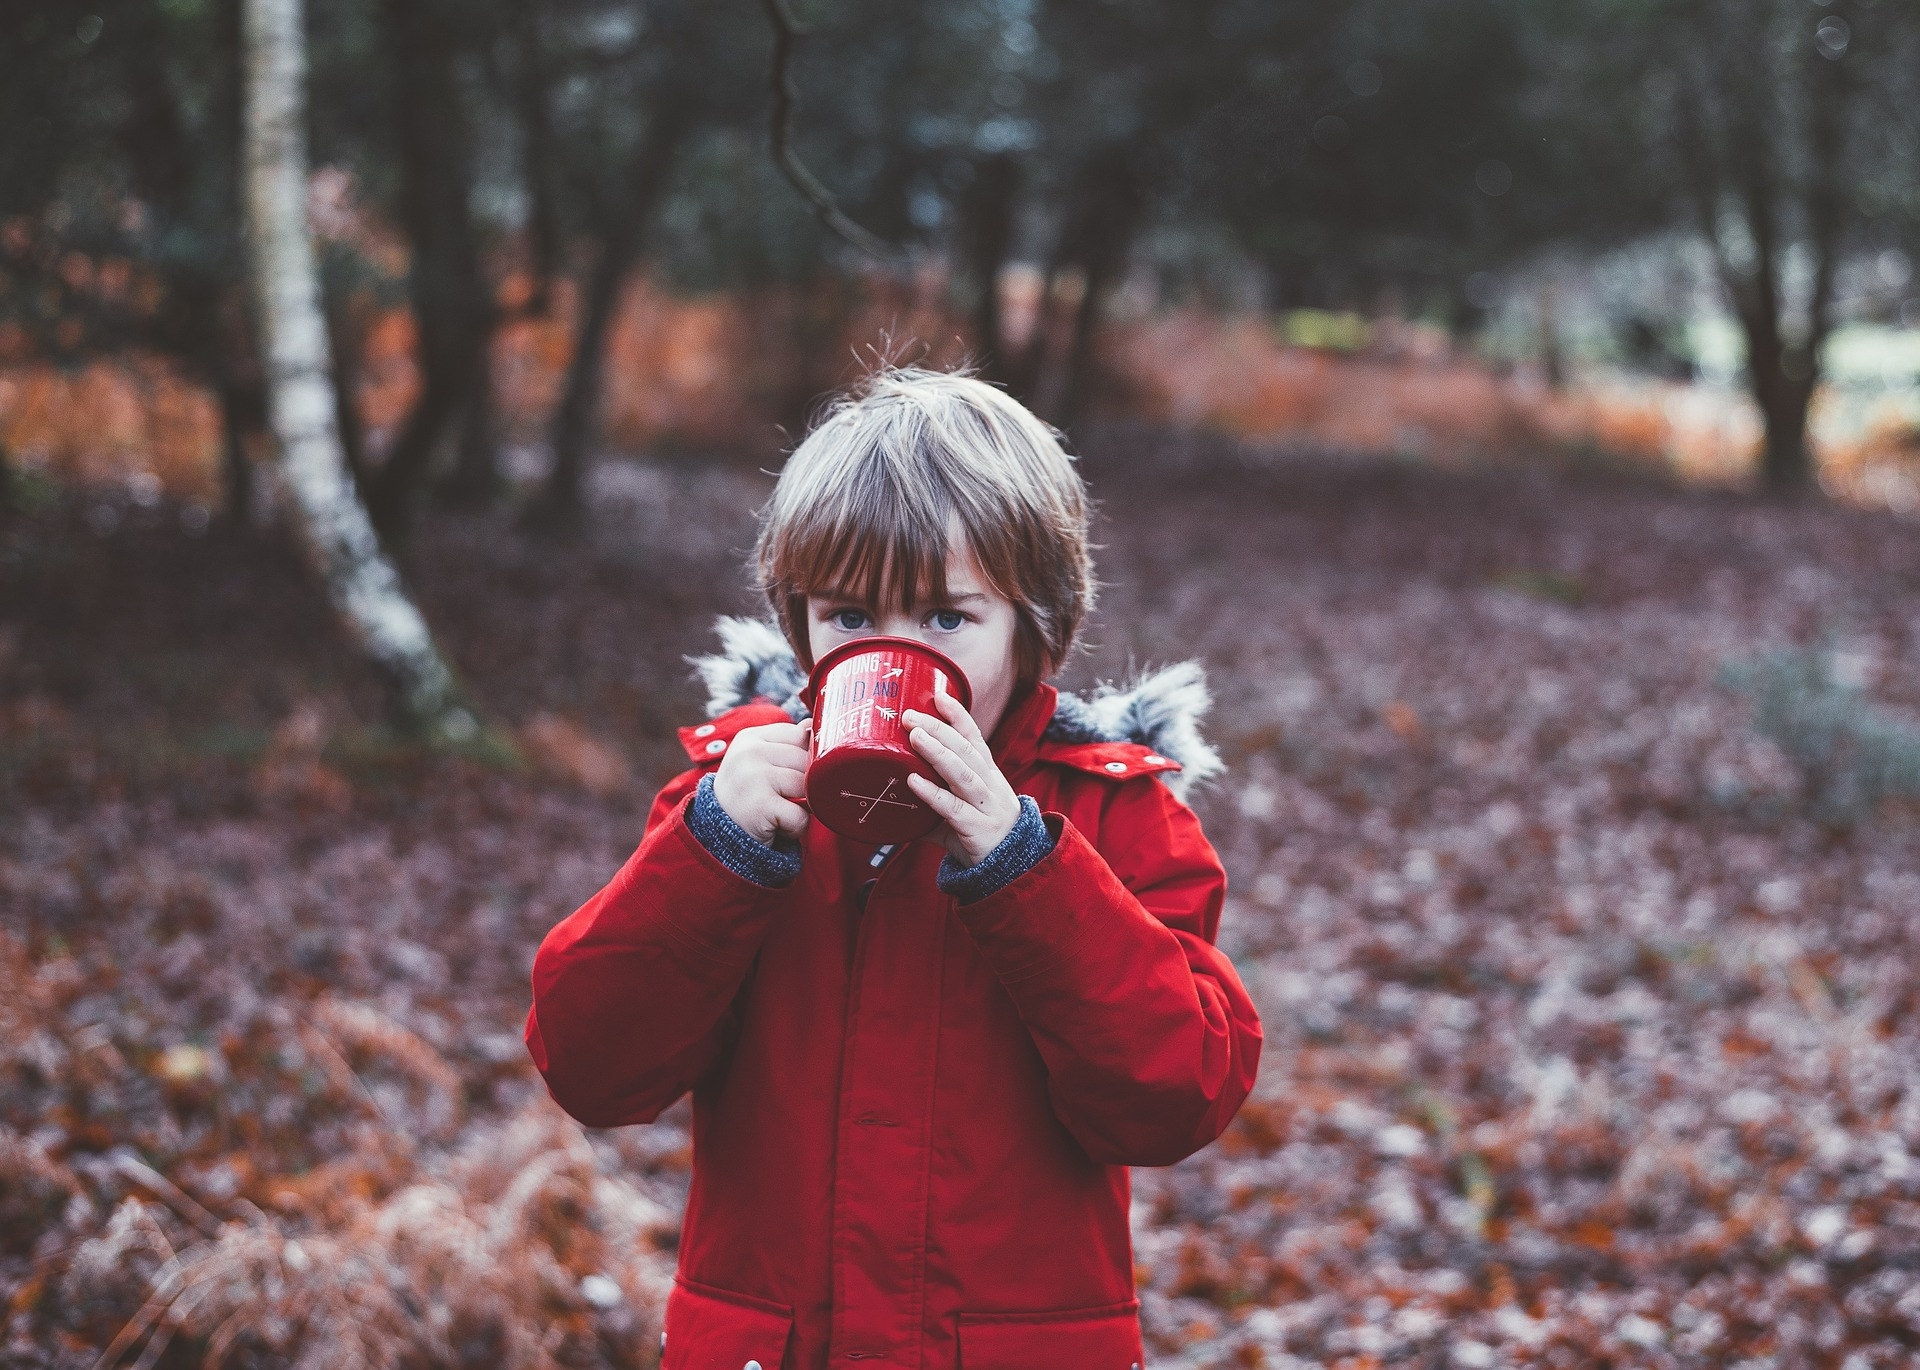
x: 786, y: 35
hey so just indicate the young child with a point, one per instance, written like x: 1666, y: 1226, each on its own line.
x: 918, y: 1075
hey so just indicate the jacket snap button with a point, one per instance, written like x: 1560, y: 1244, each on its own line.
x: 715, y: 747
x: 751, y: 1365
x: 1156, y: 761
x: 1116, y: 766
x: 704, y: 730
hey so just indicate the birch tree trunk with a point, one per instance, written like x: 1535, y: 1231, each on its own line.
x: 361, y: 583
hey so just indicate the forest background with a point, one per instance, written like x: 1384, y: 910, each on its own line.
x: 1516, y: 405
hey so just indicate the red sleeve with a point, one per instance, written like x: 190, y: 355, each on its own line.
x: 1149, y: 1038
x: 634, y: 993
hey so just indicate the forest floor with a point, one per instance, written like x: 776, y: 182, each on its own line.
x: 1593, y: 1016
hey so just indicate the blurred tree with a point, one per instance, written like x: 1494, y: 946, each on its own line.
x: 119, y: 191
x: 988, y: 203
x: 1370, y: 157
x: 453, y: 302
x: 1140, y: 131
x: 1108, y: 93
x: 520, y: 65
x: 622, y: 226
x: 644, y: 79
x: 1780, y: 132
x: 361, y: 583
x: 352, y: 290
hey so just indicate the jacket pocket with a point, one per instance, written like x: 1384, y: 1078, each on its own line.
x: 1084, y: 1338
x: 716, y: 1329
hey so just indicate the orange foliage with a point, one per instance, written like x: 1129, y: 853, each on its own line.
x: 564, y: 750
x: 733, y: 369
x: 1410, y: 398
x: 1187, y: 367
x: 113, y: 422
x: 718, y: 370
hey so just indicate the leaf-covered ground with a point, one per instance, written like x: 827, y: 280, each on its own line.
x: 1591, y: 1037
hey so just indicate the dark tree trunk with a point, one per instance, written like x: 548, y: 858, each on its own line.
x: 1740, y: 158
x: 560, y: 502
x: 1553, y: 363
x: 1786, y: 465
x: 205, y: 324
x: 345, y: 342
x: 818, y: 314
x: 988, y: 238
x: 1098, y: 240
x: 576, y: 425
x: 452, y: 304
x: 232, y: 367
x: 1780, y: 374
x: 243, y: 413
x: 538, y: 160
x: 475, y: 480
x: 1781, y: 378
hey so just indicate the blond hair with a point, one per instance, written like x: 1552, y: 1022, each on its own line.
x: 865, y: 503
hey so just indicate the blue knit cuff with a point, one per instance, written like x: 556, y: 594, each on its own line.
x: 1019, y: 850
x: 736, y: 848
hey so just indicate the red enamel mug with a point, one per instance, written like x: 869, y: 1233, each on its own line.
x: 857, y: 780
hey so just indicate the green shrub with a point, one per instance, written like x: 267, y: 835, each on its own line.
x: 1855, y: 753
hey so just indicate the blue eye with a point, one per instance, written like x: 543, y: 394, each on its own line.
x: 949, y: 619
x: 840, y: 616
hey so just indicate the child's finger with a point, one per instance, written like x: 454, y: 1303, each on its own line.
x: 790, y: 734
x: 947, y: 733
x: 951, y: 742
x: 958, y: 715
x: 961, y: 777
x: 790, y: 758
x: 790, y: 817
x: 946, y: 803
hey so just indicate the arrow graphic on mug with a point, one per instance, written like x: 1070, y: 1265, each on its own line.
x: 874, y: 801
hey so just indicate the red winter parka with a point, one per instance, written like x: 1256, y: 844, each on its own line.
x: 912, y: 1121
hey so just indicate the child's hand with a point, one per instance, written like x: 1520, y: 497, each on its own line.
x: 979, y: 805
x: 762, y: 774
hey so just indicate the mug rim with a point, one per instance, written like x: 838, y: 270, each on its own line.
x: 963, y: 691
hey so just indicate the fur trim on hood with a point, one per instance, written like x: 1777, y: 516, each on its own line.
x: 1161, y: 709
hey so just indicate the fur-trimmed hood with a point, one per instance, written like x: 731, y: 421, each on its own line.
x: 1161, y: 709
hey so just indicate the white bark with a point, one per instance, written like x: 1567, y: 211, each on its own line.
x: 361, y: 583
